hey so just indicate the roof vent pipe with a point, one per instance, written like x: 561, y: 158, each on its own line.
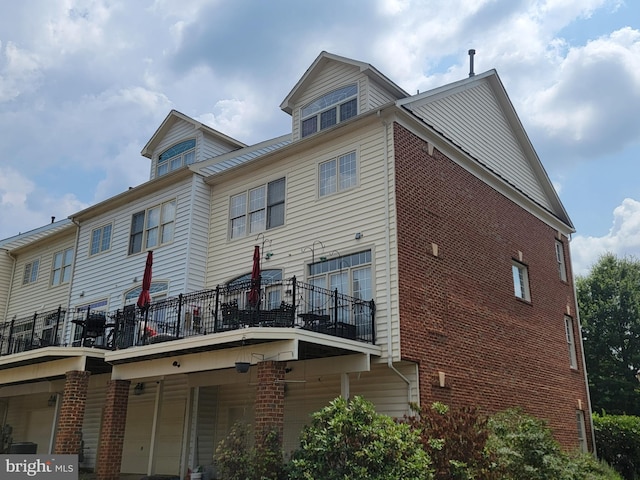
x: 53, y: 219
x: 472, y: 52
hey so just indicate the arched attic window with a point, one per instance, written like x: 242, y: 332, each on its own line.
x: 183, y: 153
x: 331, y: 108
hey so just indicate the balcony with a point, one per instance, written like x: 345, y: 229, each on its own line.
x: 283, y: 304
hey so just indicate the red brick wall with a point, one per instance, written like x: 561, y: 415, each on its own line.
x: 269, y: 406
x: 74, y: 398
x: 458, y: 311
x: 111, y: 440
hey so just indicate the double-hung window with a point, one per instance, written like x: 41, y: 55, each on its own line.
x: 562, y: 270
x: 260, y: 208
x: 329, y: 109
x: 521, y: 281
x: 184, y: 153
x: 337, y: 174
x: 100, y: 239
x: 61, y: 272
x: 152, y: 227
x: 568, y: 326
x: 31, y: 272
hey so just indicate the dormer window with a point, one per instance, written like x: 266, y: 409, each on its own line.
x: 184, y: 153
x: 332, y: 108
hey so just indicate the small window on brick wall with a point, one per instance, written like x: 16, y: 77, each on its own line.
x: 562, y: 269
x: 573, y: 357
x: 520, y: 280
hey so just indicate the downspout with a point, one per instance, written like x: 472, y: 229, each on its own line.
x: 584, y: 367
x: 65, y: 326
x: 387, y: 239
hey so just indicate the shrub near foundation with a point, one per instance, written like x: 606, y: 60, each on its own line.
x: 349, y: 440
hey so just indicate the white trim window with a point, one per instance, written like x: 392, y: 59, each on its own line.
x: 31, y: 272
x: 562, y: 269
x: 61, y: 271
x: 260, y: 208
x: 328, y: 110
x: 521, y: 281
x: 152, y: 227
x: 338, y: 174
x: 100, y: 239
x: 582, y: 431
x: 573, y: 357
x: 348, y: 274
x: 183, y: 153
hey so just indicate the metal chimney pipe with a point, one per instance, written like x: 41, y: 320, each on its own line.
x: 472, y: 52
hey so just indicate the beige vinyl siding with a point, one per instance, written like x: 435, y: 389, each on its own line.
x: 178, y: 132
x: 120, y: 272
x: 6, y: 271
x: 207, y: 146
x: 377, y: 95
x: 334, y: 75
x: 39, y: 296
x: 198, y: 236
x: 333, y: 220
x: 212, y: 147
x: 170, y: 426
x: 31, y: 418
x: 473, y: 119
x: 96, y: 396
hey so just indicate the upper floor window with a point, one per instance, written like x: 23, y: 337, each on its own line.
x: 562, y: 270
x: 61, y: 272
x: 152, y: 227
x: 521, y: 280
x: 332, y: 108
x: 337, y: 174
x: 257, y: 209
x: 568, y: 326
x: 31, y: 272
x: 100, y: 239
x: 184, y: 153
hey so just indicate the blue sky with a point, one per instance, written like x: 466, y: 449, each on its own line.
x: 85, y: 83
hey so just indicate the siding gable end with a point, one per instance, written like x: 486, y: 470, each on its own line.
x: 473, y: 116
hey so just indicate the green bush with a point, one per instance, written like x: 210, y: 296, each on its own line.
x: 349, y: 440
x: 523, y: 448
x: 455, y: 440
x: 618, y: 442
x: 236, y: 460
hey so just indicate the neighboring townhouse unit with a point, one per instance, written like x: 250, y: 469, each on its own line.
x: 404, y: 248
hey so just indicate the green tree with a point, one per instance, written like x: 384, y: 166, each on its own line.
x: 609, y: 302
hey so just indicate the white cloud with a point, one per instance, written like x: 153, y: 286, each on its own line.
x: 623, y: 239
x: 24, y: 206
x: 591, y: 106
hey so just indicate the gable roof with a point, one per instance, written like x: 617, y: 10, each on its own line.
x: 318, y: 65
x: 477, y: 115
x: 175, y: 116
x: 37, y: 234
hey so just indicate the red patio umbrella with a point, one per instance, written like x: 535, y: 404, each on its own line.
x: 145, y: 298
x: 254, y: 293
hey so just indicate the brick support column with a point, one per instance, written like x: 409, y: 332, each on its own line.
x: 269, y: 408
x: 74, y: 399
x: 111, y: 439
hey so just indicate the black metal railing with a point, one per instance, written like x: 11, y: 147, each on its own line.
x: 281, y: 304
x: 39, y: 330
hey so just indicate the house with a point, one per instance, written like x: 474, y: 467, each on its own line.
x: 409, y: 249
